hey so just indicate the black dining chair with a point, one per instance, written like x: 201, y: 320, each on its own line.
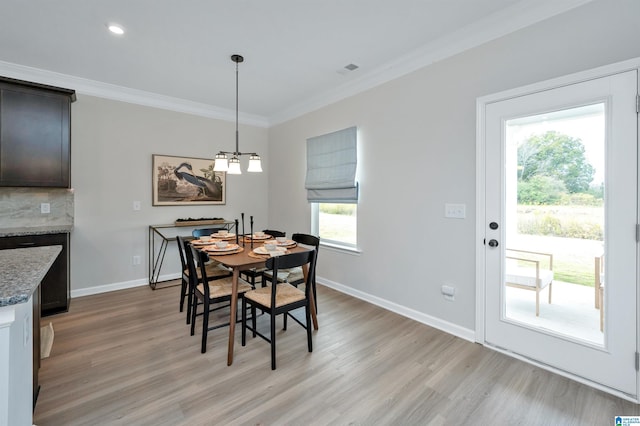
x: 206, y: 231
x: 280, y: 298
x: 295, y: 276
x: 215, y: 271
x: 251, y: 274
x: 207, y: 293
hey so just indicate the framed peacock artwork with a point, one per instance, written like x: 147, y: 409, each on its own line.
x: 179, y: 181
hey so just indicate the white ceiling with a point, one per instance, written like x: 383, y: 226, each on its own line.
x: 178, y: 52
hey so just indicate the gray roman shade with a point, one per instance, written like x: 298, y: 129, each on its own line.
x: 331, y: 167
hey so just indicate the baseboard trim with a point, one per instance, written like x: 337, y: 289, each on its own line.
x: 88, y: 291
x: 447, y: 327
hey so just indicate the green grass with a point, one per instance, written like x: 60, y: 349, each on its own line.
x: 573, y: 258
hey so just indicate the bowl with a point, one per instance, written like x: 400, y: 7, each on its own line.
x: 270, y: 246
x: 205, y: 238
x: 281, y: 240
x: 258, y: 234
x: 222, y: 232
x: 221, y: 244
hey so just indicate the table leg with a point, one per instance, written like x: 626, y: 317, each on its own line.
x: 232, y: 318
x: 314, y: 318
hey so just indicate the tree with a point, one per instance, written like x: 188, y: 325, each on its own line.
x: 557, y: 156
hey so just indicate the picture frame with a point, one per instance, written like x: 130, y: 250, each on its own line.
x: 181, y: 181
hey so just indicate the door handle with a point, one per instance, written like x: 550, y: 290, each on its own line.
x: 493, y: 243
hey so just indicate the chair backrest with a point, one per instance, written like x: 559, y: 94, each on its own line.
x: 197, y: 259
x: 308, y: 240
x: 206, y: 231
x: 275, y: 233
x: 181, y: 250
x: 292, y: 260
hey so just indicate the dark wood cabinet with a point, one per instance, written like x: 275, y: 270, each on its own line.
x: 55, y: 287
x: 35, y: 134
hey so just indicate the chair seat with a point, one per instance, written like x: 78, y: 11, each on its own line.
x: 213, y: 271
x: 283, y: 275
x: 223, y: 288
x: 526, y: 277
x: 285, y: 294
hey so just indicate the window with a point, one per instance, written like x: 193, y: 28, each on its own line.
x: 335, y: 223
x: 331, y: 186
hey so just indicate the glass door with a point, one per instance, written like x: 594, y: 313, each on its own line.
x: 561, y: 209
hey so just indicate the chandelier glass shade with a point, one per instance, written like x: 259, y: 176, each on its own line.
x: 232, y: 165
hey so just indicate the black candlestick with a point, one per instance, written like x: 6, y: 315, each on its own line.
x: 237, y: 232
x: 242, y: 216
x: 251, y: 221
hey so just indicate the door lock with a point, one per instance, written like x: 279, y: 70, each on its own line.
x: 493, y: 243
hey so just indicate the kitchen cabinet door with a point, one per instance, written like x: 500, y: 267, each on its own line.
x: 35, y: 140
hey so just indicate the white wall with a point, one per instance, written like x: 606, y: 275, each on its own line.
x: 417, y: 152
x: 112, y: 146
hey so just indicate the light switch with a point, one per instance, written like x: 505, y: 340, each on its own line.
x: 45, y: 208
x: 455, y: 211
x: 136, y: 206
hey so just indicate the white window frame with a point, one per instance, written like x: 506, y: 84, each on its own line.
x: 315, y: 230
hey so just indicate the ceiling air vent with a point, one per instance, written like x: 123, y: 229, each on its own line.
x: 348, y: 68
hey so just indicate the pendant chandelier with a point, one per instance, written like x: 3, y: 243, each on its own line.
x: 232, y: 165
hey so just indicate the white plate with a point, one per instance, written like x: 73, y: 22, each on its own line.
x: 202, y: 243
x: 285, y: 243
x: 229, y: 247
x: 262, y: 250
x: 264, y: 237
x: 228, y: 235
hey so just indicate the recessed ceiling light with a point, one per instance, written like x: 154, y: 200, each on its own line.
x: 116, y: 29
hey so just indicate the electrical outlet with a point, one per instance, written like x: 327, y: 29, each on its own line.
x: 45, y: 208
x: 136, y: 206
x: 136, y: 260
x: 448, y: 292
x: 455, y: 211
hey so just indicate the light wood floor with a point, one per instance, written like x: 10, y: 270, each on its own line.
x: 126, y: 358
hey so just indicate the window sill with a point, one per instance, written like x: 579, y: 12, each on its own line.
x: 340, y: 248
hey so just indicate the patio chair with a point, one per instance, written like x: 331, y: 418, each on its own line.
x: 529, y: 270
x: 599, y: 287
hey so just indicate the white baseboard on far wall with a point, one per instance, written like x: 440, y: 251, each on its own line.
x: 87, y: 291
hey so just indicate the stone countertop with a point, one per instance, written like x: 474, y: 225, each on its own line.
x: 22, y: 270
x: 35, y: 230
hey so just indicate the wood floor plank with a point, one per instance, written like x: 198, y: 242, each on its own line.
x: 126, y: 358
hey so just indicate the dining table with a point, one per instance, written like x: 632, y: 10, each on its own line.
x: 243, y: 259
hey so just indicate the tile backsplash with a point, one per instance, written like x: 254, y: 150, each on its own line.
x: 21, y: 207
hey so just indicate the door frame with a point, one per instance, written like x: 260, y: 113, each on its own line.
x: 481, y: 219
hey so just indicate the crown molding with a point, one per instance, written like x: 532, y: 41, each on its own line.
x: 499, y: 24
x: 124, y: 94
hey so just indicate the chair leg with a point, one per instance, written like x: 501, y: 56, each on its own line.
x: 307, y: 310
x: 550, y: 286
x: 194, y: 313
x: 189, y: 302
x: 273, y: 341
x: 284, y: 321
x: 183, y: 291
x: 315, y: 296
x: 244, y: 322
x: 253, y: 320
x: 537, y: 301
x: 205, y: 327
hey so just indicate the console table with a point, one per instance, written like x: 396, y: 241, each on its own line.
x: 167, y: 233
